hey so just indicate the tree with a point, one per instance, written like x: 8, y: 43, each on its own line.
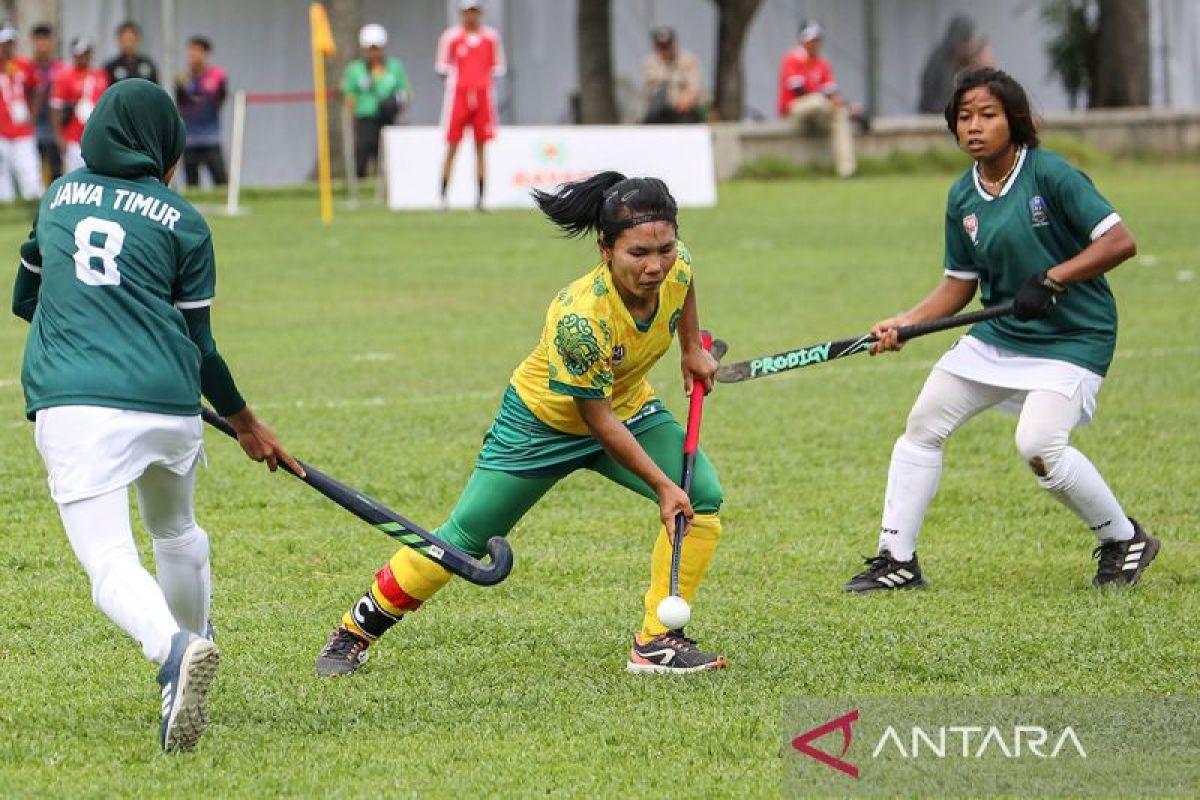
x: 597, y: 98
x: 733, y: 21
x: 1121, y: 70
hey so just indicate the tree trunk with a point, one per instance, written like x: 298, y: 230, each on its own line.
x: 345, y: 17
x: 733, y: 20
x: 1121, y: 63
x: 597, y: 100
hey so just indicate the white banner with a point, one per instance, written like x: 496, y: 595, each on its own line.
x: 521, y: 158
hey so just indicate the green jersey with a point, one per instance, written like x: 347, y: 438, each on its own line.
x: 1048, y: 212
x: 369, y: 88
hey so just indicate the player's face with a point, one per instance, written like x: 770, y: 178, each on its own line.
x: 471, y: 18
x: 42, y: 46
x: 128, y: 41
x: 641, y: 258
x: 982, y: 125
x: 83, y: 60
x: 196, y: 56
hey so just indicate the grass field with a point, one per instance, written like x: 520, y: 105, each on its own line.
x: 379, y: 349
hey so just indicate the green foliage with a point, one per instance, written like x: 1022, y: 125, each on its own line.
x: 1071, y: 49
x: 379, y: 349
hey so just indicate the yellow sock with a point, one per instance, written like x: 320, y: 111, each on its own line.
x: 402, y: 585
x: 698, y: 548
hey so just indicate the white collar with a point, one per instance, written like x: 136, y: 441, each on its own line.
x: 1008, y: 184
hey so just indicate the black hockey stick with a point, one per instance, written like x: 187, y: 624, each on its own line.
x: 828, y: 351
x: 399, y: 528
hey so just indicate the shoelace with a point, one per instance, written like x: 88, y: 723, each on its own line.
x: 1110, y: 555
x: 342, y: 645
x: 678, y: 640
x: 873, y: 563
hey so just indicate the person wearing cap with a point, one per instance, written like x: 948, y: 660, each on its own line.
x: 18, y: 152
x: 46, y: 67
x: 75, y: 92
x: 377, y: 91
x: 129, y: 62
x: 469, y: 56
x: 671, y: 88
x: 199, y: 93
x: 808, y: 95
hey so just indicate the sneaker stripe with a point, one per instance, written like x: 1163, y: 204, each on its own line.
x: 908, y: 576
x: 886, y: 580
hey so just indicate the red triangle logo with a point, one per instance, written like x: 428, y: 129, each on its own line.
x: 845, y: 724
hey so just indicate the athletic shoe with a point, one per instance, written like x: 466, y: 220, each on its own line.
x: 185, y: 678
x: 885, y: 572
x: 210, y: 632
x: 343, y: 654
x: 1122, y: 563
x: 671, y: 652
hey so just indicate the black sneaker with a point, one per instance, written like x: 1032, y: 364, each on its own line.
x: 1122, y: 563
x: 885, y: 572
x: 672, y: 652
x: 343, y: 654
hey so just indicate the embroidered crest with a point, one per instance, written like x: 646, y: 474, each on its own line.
x: 1038, y: 214
x: 971, y: 226
x: 576, y: 344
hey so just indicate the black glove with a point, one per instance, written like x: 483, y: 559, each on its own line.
x: 1036, y: 298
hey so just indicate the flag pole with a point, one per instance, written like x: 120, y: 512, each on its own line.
x: 322, y: 45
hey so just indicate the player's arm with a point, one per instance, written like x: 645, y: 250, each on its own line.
x: 619, y: 443
x: 950, y: 297
x: 1104, y: 253
x: 695, y: 361
x: 29, y: 278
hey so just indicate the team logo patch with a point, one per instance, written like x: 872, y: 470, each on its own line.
x: 971, y: 226
x: 1037, y: 211
x: 618, y: 354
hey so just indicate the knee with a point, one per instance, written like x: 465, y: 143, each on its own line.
x: 707, y: 494
x: 1041, y: 449
x: 925, y: 429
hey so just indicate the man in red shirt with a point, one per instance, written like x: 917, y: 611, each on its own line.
x: 808, y: 94
x: 469, y: 55
x: 18, y: 150
x: 74, y: 94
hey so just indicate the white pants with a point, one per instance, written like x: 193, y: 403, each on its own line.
x: 19, y: 160
x: 84, y: 447
x: 73, y: 158
x: 815, y: 110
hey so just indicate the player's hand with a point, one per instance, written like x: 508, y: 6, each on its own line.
x: 260, y: 442
x: 698, y: 365
x: 886, y: 331
x: 673, y: 501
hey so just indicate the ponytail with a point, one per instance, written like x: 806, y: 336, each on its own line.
x: 607, y: 203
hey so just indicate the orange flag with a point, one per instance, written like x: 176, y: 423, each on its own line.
x: 322, y: 36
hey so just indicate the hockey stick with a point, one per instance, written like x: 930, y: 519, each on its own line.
x: 828, y: 351
x: 399, y: 528
x: 691, y: 443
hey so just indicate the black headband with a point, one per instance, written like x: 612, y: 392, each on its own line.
x: 633, y: 222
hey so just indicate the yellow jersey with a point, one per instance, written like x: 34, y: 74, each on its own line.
x: 591, y: 346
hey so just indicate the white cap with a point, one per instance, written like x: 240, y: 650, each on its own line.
x: 81, y: 45
x: 466, y: 5
x: 372, y: 35
x: 8, y: 33
x: 810, y: 29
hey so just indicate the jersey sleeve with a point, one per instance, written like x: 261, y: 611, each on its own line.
x: 1087, y: 213
x: 959, y: 261
x: 197, y: 282
x: 683, y: 265
x: 580, y: 354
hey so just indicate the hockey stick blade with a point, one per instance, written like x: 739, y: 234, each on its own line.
x: 405, y: 531
x: 828, y: 351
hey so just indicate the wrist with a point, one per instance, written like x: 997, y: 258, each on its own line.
x: 243, y: 421
x: 1054, y: 282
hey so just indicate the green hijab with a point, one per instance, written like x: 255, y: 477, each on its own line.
x: 133, y: 132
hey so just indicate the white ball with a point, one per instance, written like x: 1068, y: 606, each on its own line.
x: 674, y: 612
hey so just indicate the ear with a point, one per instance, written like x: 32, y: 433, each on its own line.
x: 606, y: 252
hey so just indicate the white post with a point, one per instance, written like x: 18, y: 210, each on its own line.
x: 348, y: 157
x: 236, y: 145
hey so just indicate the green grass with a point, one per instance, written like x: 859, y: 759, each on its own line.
x: 379, y: 348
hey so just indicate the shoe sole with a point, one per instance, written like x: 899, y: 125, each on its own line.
x: 1152, y: 547
x: 661, y: 669
x: 189, y: 715
x: 338, y: 668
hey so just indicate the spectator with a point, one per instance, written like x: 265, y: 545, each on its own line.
x: 671, y: 89
x: 808, y: 95
x: 129, y: 61
x: 377, y: 92
x: 199, y: 93
x: 959, y: 51
x: 18, y: 153
x: 46, y: 67
x: 75, y: 92
x: 469, y: 56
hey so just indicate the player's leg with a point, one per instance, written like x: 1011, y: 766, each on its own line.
x: 27, y: 168
x: 483, y: 128
x: 1042, y: 438
x: 655, y: 648
x: 181, y: 551
x: 945, y: 402
x: 490, y: 505
x: 841, y: 141
x: 214, y: 160
x: 73, y: 157
x: 456, y: 123
x: 480, y: 171
x: 366, y: 143
x: 191, y: 167
x: 7, y: 195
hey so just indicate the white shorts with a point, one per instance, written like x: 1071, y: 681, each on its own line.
x: 73, y: 157
x: 90, y: 450
x: 978, y: 361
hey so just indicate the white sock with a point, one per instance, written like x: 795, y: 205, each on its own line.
x: 913, y: 477
x: 1076, y: 483
x: 99, y: 532
x: 186, y: 578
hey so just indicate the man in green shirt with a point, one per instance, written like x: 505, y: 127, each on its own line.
x: 116, y: 280
x: 377, y: 91
x: 1022, y: 226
